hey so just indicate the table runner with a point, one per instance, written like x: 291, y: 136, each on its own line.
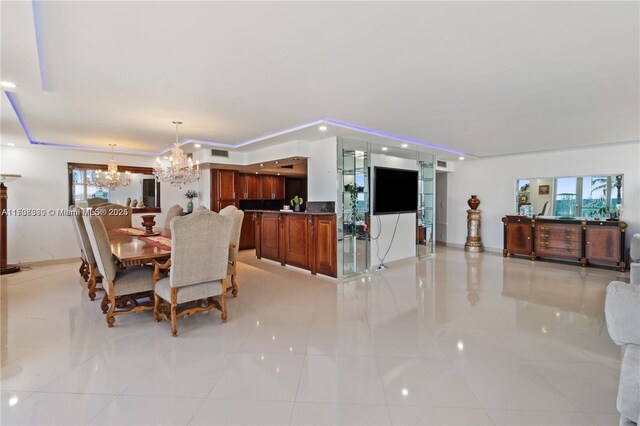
x: 160, y: 242
x: 130, y: 231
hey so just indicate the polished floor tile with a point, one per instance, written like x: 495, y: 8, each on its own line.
x: 237, y: 412
x: 454, y: 339
x: 313, y: 413
x: 147, y: 410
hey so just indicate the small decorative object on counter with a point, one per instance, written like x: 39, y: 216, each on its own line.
x: 474, y: 241
x: 190, y: 194
x: 295, y: 202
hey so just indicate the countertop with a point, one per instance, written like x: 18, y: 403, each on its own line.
x: 288, y: 212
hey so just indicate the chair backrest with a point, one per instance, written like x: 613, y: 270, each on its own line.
x: 95, y: 201
x: 238, y: 217
x: 173, y: 211
x: 544, y: 209
x: 81, y: 233
x: 73, y: 213
x: 112, y: 217
x: 199, y: 248
x: 99, y: 240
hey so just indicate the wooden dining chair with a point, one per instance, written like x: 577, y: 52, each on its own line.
x: 124, y: 288
x: 92, y: 277
x: 84, y: 266
x: 234, y: 243
x: 198, y: 273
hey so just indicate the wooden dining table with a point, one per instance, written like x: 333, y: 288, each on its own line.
x: 130, y: 250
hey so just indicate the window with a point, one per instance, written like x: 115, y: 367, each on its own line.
x: 588, y: 196
x: 143, y: 189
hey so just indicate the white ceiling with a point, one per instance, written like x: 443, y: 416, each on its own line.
x: 484, y: 78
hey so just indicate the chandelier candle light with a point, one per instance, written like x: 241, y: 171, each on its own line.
x: 180, y: 170
x: 112, y: 178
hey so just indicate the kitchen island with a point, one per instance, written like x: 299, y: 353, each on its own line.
x: 302, y: 239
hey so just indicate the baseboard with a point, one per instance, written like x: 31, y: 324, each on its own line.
x: 50, y: 262
x: 491, y: 250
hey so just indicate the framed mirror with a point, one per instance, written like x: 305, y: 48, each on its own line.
x: 144, y: 189
x: 595, y: 196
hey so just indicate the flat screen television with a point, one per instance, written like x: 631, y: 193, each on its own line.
x: 394, y: 191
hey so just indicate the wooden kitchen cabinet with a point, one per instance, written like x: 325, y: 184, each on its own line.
x: 247, y: 233
x: 518, y: 236
x: 250, y: 187
x: 305, y: 240
x: 272, y: 187
x: 224, y: 189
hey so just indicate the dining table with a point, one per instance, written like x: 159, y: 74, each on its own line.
x: 131, y: 249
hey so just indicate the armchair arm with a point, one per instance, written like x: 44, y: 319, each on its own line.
x: 622, y: 311
x: 156, y: 269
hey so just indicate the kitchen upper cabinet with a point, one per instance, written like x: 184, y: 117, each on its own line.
x: 272, y: 187
x: 250, y: 187
x: 224, y: 188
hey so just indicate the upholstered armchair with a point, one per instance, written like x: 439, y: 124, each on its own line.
x: 88, y: 267
x: 622, y: 311
x: 634, y: 264
x: 173, y: 211
x: 123, y: 287
x: 198, y: 273
x: 111, y: 215
x: 238, y: 217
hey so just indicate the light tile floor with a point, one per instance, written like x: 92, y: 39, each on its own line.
x: 455, y: 339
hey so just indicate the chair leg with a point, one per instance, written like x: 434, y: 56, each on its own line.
x: 156, y: 307
x: 234, y: 285
x: 105, y: 303
x: 174, y: 317
x: 92, y: 283
x: 223, y: 303
x: 111, y: 318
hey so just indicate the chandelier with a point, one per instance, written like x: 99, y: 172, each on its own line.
x: 180, y: 170
x: 112, y: 178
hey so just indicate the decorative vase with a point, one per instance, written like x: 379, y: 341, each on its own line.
x: 148, y: 221
x: 296, y: 207
x: 473, y: 202
x: 190, y: 206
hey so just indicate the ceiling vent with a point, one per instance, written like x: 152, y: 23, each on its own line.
x: 442, y: 164
x: 219, y: 153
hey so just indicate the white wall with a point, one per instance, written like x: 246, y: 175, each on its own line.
x: 44, y: 185
x: 404, y: 243
x: 322, y: 169
x: 493, y: 180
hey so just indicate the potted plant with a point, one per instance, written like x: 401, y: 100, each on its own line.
x: 296, y: 202
x: 190, y: 194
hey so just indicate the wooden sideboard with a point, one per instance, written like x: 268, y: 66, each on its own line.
x: 589, y: 242
x: 305, y: 240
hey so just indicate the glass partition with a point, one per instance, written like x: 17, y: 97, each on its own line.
x: 426, y: 202
x: 353, y: 207
x: 596, y: 196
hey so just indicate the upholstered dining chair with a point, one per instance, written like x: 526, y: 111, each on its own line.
x: 114, y: 215
x: 84, y: 266
x: 95, y: 201
x: 198, y: 273
x: 90, y: 275
x: 173, y: 211
x: 123, y: 287
x: 238, y: 217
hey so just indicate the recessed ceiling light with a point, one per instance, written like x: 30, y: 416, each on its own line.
x: 197, y: 145
x: 257, y: 173
x: 384, y: 148
x: 11, y: 144
x: 8, y: 84
x: 277, y: 162
x: 278, y: 174
x: 461, y: 158
x: 261, y: 165
x: 322, y: 128
x: 404, y: 145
